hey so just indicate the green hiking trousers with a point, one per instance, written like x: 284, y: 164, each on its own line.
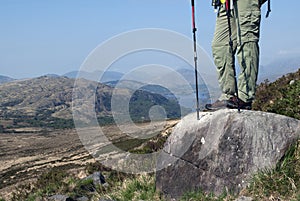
x: 245, y: 26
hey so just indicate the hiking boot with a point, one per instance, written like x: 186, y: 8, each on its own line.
x: 221, y: 104
x: 238, y: 103
x: 245, y: 105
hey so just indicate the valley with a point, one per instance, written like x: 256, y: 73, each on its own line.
x: 25, y: 156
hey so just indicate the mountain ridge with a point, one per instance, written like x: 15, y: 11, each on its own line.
x: 5, y: 79
x: 45, y: 100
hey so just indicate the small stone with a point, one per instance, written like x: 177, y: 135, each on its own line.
x: 243, y: 198
x: 60, y: 198
x: 82, y: 199
x: 292, y: 82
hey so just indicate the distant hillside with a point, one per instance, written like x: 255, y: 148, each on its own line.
x: 207, y: 84
x: 281, y: 96
x: 93, y: 76
x: 183, y: 88
x: 52, y: 75
x: 152, y: 88
x: 5, y: 79
x: 46, y: 102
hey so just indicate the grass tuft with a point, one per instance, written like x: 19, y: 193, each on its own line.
x: 282, y: 182
x: 202, y: 196
x: 140, y: 188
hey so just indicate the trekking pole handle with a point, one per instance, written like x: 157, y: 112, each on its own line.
x: 193, y: 16
x: 193, y: 3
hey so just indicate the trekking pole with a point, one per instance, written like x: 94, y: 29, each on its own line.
x: 227, y: 5
x: 195, y: 56
x: 269, y: 9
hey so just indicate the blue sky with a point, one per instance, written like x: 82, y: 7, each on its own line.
x: 55, y: 36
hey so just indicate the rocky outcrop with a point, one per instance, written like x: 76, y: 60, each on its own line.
x: 222, y: 150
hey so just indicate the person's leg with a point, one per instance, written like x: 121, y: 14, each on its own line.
x: 223, y: 56
x: 248, y: 25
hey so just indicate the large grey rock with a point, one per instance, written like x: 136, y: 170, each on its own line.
x: 222, y: 150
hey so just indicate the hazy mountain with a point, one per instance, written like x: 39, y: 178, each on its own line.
x: 179, y: 85
x: 134, y: 85
x: 278, y: 68
x: 94, y: 76
x: 208, y: 87
x: 4, y: 79
x: 52, y: 75
x: 129, y: 84
x: 45, y: 99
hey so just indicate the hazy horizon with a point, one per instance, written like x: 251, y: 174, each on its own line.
x: 55, y: 37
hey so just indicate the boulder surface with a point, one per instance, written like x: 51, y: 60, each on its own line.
x: 222, y: 150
